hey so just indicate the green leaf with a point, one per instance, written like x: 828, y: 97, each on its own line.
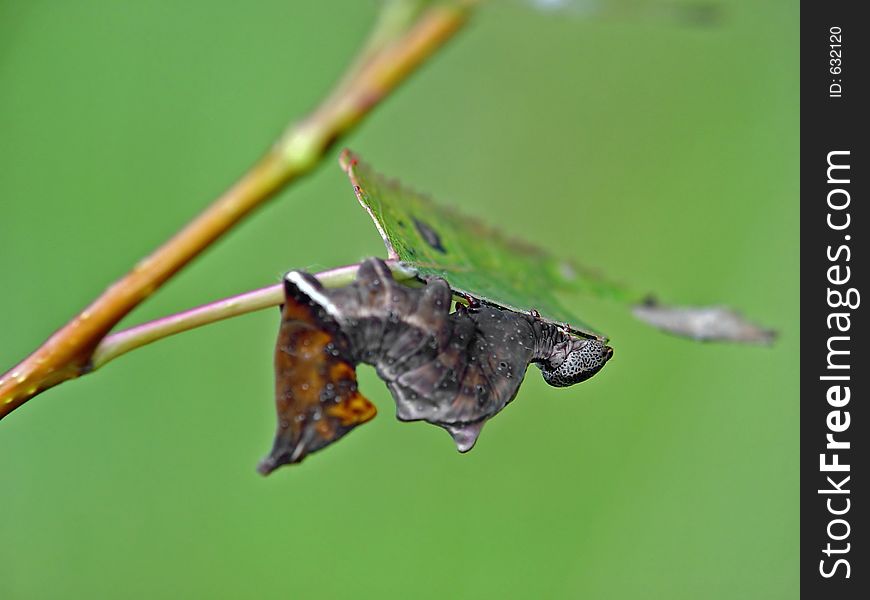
x: 475, y: 259
x: 481, y: 262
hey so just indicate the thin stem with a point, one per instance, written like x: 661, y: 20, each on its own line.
x: 389, y: 61
x: 119, y: 343
x: 116, y: 344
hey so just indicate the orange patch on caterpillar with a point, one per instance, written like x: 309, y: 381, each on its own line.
x: 354, y: 410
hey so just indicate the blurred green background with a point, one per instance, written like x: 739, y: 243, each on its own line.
x: 661, y: 150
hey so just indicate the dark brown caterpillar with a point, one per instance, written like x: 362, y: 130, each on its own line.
x: 454, y: 370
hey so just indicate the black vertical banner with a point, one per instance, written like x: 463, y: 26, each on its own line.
x: 835, y: 561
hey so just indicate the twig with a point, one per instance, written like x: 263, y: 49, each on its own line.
x: 119, y: 343
x: 388, y: 60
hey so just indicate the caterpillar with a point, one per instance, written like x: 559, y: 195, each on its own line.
x: 452, y: 369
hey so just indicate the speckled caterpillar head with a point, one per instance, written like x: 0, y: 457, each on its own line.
x: 574, y: 361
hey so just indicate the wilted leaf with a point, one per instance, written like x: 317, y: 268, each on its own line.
x: 703, y: 323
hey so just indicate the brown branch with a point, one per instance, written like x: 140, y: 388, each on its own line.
x: 388, y: 60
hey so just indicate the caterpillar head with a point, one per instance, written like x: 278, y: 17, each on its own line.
x: 574, y: 361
